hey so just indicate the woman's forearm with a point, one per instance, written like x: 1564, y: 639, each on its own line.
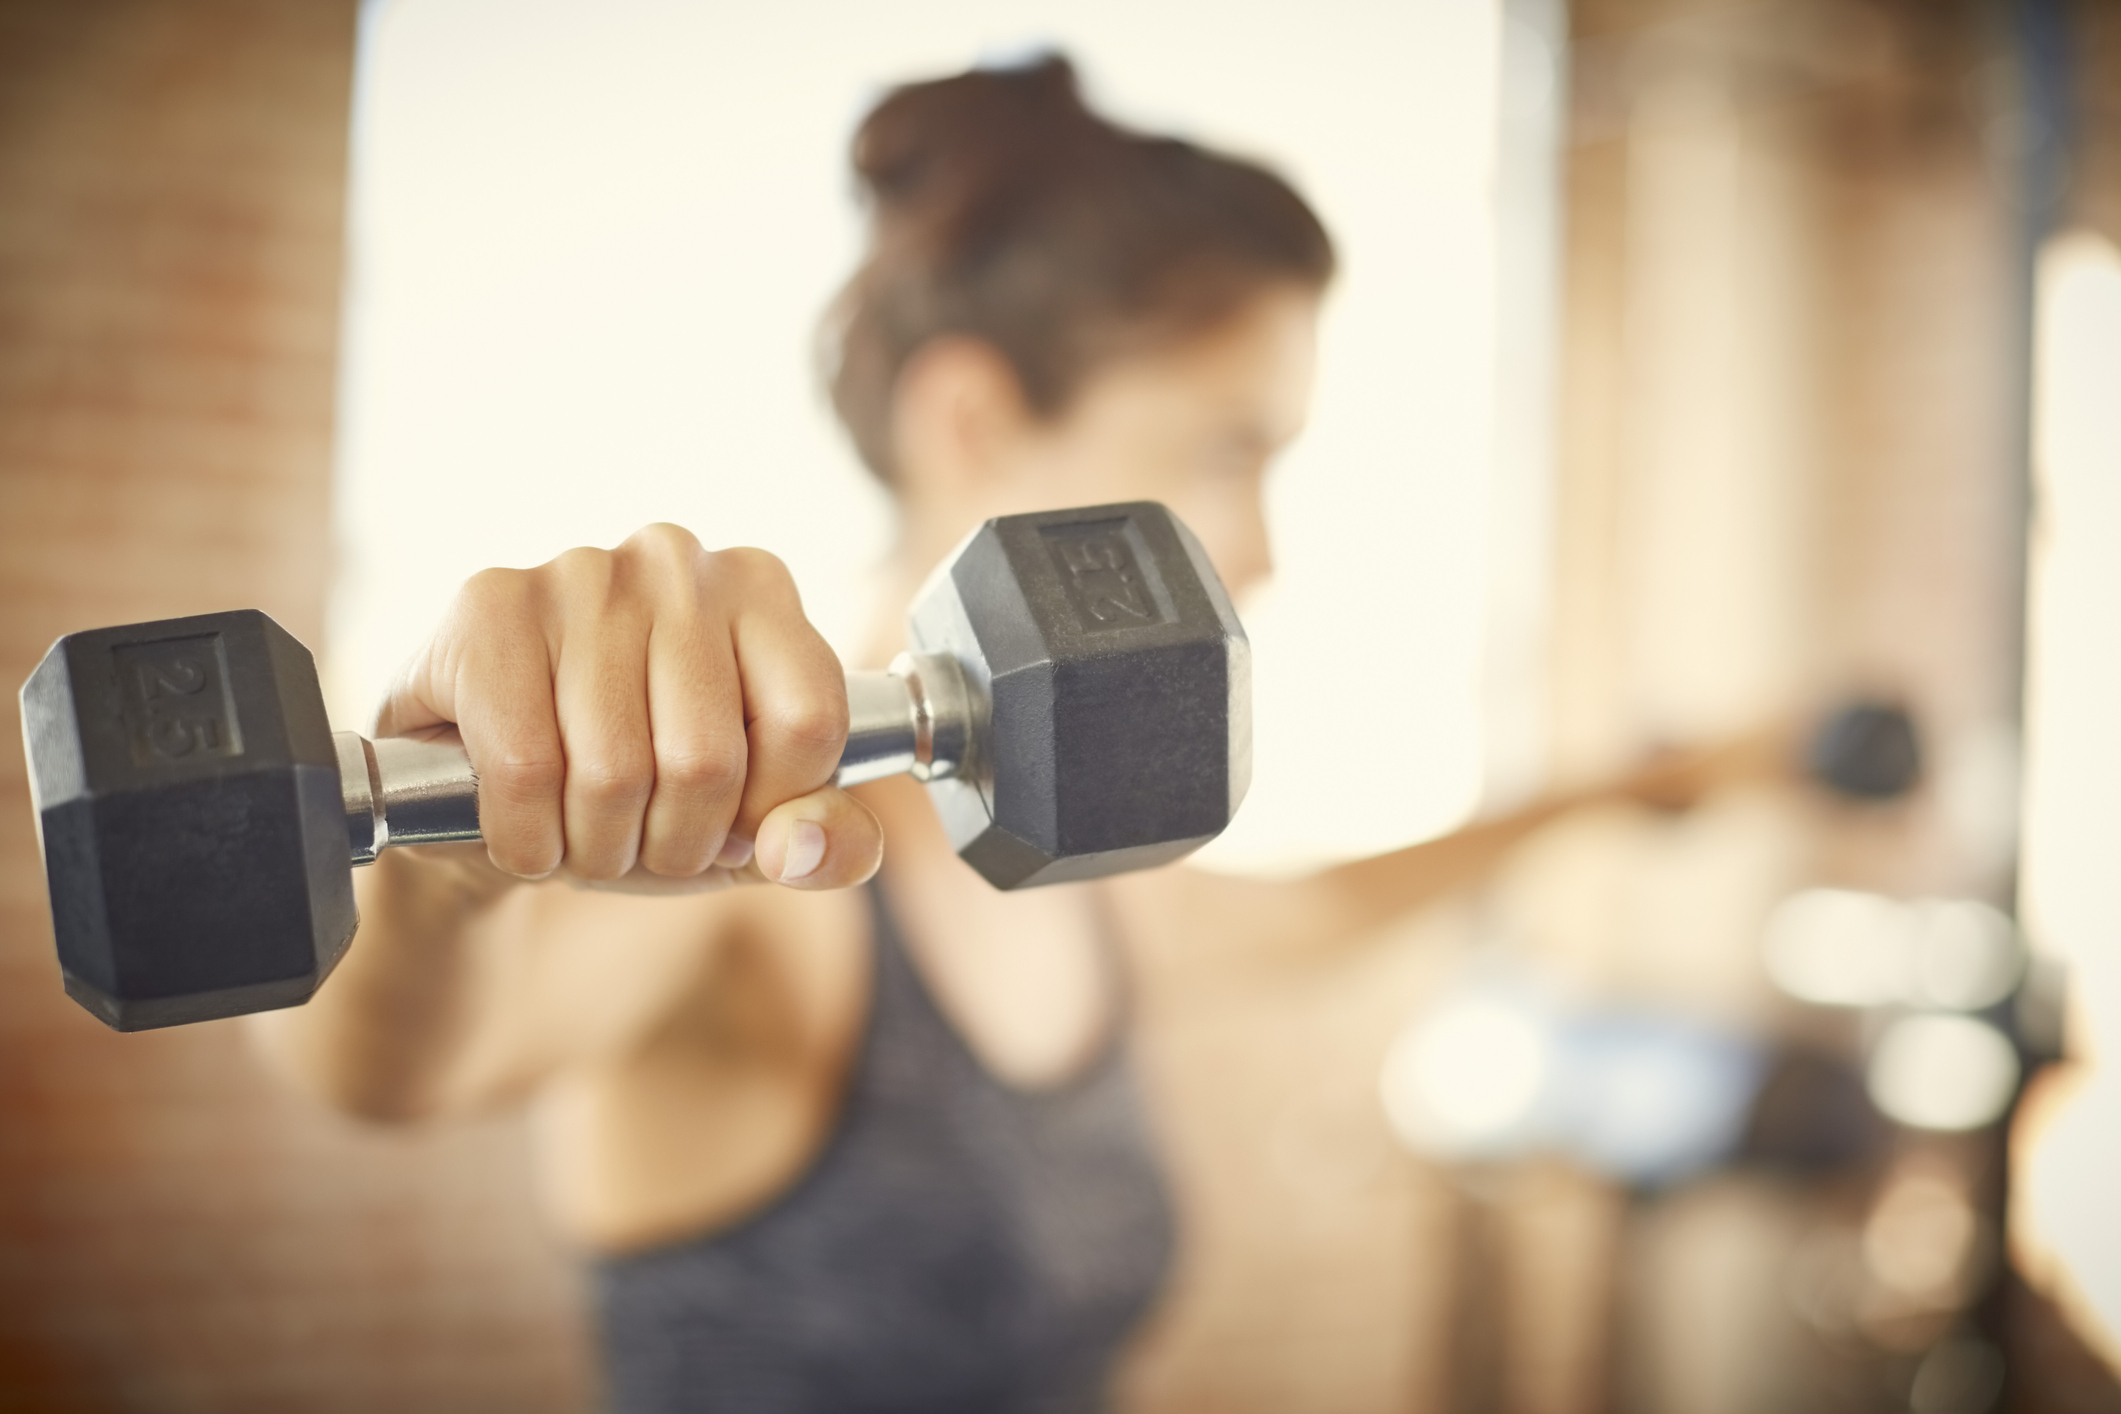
x: 1369, y: 892
x: 1350, y: 901
x: 1335, y: 906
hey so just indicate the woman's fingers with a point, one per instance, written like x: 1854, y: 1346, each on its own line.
x: 825, y: 840
x: 644, y: 713
x: 490, y: 673
x: 599, y: 690
x: 795, y: 692
x: 696, y: 718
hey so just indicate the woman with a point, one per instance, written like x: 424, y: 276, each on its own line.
x: 838, y: 1148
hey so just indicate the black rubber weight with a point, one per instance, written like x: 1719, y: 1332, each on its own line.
x: 188, y: 796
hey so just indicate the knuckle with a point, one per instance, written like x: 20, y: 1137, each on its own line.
x: 584, y: 567
x: 816, y: 721
x: 709, y: 767
x: 754, y: 568
x: 523, y: 776
x: 663, y: 541
x: 610, y: 777
x: 492, y: 591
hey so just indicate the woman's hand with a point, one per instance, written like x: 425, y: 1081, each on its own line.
x: 657, y: 716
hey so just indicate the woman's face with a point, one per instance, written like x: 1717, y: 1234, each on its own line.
x: 1194, y: 426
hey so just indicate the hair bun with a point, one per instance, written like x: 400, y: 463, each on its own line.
x: 935, y: 149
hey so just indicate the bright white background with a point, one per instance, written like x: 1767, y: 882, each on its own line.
x: 591, y: 242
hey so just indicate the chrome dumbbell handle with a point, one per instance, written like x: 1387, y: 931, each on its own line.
x: 915, y: 718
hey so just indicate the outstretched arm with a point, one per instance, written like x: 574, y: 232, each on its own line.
x: 658, y: 717
x: 1350, y: 900
x: 1370, y: 891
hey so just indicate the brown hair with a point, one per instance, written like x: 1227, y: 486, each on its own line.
x: 1002, y: 208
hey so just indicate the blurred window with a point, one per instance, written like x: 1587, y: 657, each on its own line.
x: 2071, y: 897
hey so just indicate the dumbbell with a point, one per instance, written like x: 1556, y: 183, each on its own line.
x: 1077, y: 698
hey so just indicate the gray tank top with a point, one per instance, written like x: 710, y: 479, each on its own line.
x: 958, y: 1245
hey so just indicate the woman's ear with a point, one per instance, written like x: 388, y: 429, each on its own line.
x: 958, y: 417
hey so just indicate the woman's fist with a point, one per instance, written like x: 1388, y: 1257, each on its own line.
x: 655, y: 712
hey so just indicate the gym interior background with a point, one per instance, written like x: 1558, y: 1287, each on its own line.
x: 1771, y: 306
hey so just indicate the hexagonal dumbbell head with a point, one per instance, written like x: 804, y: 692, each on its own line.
x: 1113, y: 682
x: 189, y: 805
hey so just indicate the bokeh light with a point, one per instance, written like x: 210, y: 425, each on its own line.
x: 1844, y: 947
x: 1464, y: 1082
x: 1840, y: 947
x: 1921, y: 1234
x: 1943, y: 1072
